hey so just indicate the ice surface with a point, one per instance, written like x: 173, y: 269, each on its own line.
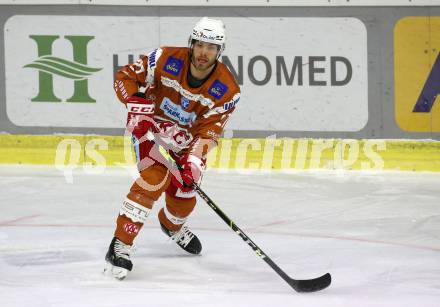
x: 378, y: 234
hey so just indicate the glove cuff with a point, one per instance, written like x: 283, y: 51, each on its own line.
x: 196, y: 161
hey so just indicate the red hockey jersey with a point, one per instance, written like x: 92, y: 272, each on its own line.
x: 190, y: 113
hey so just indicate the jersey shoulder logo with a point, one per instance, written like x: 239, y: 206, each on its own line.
x: 152, y: 58
x: 173, y: 66
x: 231, y: 104
x: 217, y: 89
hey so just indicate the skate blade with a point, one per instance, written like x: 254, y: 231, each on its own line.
x: 115, y: 271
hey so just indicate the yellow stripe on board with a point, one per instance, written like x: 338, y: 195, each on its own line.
x: 262, y: 154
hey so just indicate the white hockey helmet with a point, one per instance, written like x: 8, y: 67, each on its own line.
x: 210, y: 31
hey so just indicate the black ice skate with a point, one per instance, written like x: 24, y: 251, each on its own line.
x: 118, y: 259
x: 185, y: 239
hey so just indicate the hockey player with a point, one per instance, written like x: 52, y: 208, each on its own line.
x: 189, y: 97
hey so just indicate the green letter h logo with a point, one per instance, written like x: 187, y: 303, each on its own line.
x: 48, y: 65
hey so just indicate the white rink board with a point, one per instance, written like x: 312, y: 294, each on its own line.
x: 306, y: 107
x: 258, y: 42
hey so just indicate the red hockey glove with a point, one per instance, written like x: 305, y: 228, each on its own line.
x: 140, y: 114
x: 191, y: 172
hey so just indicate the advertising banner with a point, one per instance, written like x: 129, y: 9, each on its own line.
x: 59, y: 69
x: 417, y: 73
x: 296, y: 74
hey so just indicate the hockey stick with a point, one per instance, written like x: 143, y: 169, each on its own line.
x: 306, y: 285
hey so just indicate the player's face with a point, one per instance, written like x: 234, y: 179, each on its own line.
x: 204, y: 55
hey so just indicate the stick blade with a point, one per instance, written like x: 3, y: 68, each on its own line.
x: 311, y: 285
